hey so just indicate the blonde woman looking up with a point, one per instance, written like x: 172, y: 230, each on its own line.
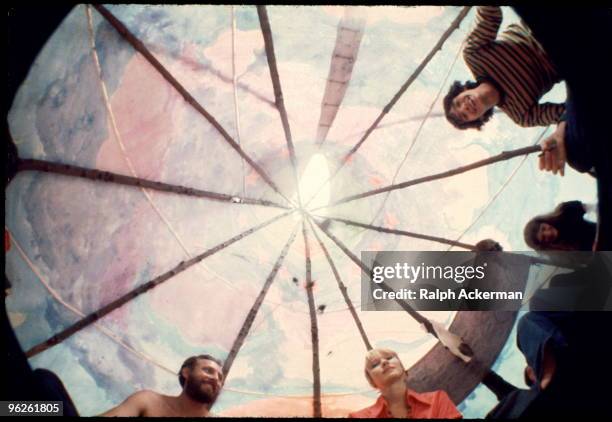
x: 385, y: 372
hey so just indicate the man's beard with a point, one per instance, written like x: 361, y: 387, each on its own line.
x: 194, y: 390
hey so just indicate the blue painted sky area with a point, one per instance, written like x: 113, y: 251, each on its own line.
x: 79, y: 245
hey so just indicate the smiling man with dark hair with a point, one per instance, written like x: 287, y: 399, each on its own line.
x: 201, y: 378
x: 460, y: 107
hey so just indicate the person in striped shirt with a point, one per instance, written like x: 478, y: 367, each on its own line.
x: 512, y: 72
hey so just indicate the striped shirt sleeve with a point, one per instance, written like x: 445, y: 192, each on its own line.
x: 542, y: 115
x: 488, y: 20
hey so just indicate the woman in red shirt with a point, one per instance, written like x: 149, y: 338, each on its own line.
x: 385, y: 372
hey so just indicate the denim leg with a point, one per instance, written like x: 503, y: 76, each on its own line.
x: 578, y: 148
x: 579, y: 42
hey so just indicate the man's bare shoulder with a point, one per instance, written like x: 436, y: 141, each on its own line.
x: 147, y: 395
x: 141, y: 403
x: 153, y: 402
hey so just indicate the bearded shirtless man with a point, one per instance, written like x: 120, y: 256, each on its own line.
x: 201, y: 378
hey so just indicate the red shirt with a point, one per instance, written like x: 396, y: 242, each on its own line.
x: 431, y: 405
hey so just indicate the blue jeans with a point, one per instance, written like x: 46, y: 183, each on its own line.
x: 579, y: 41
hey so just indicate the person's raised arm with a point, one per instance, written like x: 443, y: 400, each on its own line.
x: 135, y: 405
x: 543, y: 115
x: 488, y: 20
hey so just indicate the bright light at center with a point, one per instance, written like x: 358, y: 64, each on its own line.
x: 315, y: 174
